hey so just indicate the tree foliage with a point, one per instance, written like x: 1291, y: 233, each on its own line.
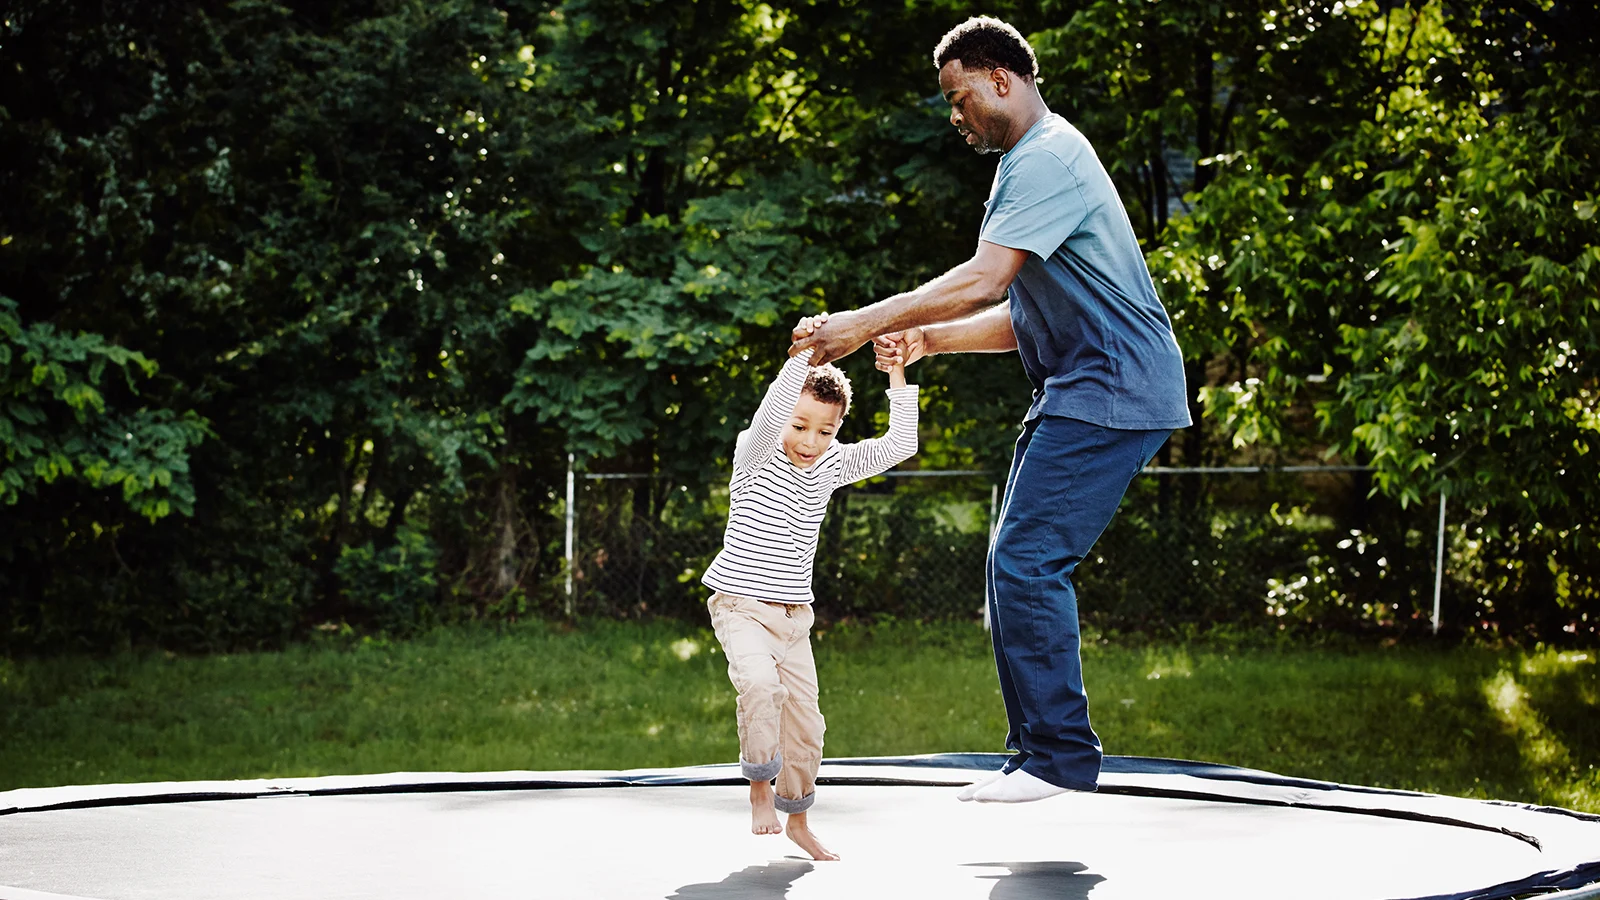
x: 307, y: 303
x: 56, y: 422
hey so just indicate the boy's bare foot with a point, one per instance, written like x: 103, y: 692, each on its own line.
x: 801, y: 834
x: 763, y: 818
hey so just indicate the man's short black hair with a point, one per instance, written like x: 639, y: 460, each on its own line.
x: 984, y: 42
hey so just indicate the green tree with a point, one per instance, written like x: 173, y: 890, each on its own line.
x: 1421, y: 278
x: 56, y: 422
x: 304, y: 214
x: 358, y: 277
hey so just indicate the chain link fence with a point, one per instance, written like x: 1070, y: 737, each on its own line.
x: 1189, y: 548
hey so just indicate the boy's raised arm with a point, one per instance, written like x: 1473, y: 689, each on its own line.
x: 766, y: 426
x: 880, y: 454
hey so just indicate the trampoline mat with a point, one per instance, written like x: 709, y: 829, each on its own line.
x: 1157, y: 828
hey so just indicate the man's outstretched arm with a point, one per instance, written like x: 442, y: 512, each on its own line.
x: 979, y: 282
x: 987, y: 332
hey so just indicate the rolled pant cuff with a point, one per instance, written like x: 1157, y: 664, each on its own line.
x: 785, y: 805
x: 761, y: 771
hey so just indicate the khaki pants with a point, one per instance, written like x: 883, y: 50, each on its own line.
x: 768, y: 646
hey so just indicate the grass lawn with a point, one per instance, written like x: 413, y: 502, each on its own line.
x: 1505, y: 724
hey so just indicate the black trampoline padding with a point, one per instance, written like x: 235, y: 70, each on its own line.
x: 1157, y: 828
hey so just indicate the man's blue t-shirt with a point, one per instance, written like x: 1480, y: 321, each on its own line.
x: 1094, y: 338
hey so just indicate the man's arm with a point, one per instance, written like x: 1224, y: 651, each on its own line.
x: 987, y: 332
x: 957, y: 294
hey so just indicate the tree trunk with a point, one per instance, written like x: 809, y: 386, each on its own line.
x: 1204, y: 127
x: 1194, y: 437
x: 506, y: 568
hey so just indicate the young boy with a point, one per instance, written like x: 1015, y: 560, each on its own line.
x: 785, y: 467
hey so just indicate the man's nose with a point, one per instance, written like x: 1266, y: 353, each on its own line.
x: 955, y: 119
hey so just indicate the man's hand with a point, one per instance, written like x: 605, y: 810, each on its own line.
x: 832, y: 339
x: 899, y: 348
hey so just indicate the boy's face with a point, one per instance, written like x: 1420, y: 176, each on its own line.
x: 811, y: 428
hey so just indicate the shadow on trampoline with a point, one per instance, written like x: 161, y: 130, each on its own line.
x: 1024, y: 881
x: 768, y: 882
x: 1041, y: 881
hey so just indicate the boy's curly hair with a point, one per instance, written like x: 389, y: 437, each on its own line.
x: 984, y: 42
x: 829, y: 385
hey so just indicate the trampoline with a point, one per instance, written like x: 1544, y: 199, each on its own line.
x: 1156, y: 828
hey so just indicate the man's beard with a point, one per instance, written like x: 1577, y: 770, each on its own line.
x: 980, y: 146
x: 998, y: 125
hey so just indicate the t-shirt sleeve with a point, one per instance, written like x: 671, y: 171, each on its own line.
x: 1038, y: 203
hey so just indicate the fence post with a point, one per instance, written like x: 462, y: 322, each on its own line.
x: 994, y: 505
x: 994, y: 510
x: 571, y: 526
x: 1438, y: 563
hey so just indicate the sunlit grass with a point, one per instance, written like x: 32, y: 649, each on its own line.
x: 1512, y: 725
x: 1558, y: 770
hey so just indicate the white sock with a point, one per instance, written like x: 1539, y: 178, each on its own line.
x: 971, y: 789
x: 1018, y: 787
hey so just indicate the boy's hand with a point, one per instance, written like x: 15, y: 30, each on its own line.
x: 899, y: 348
x: 891, y: 356
x: 807, y: 327
x: 832, y: 338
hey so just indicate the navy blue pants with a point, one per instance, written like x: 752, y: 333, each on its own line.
x: 1066, y: 481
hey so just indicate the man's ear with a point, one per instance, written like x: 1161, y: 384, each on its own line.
x: 1001, y: 79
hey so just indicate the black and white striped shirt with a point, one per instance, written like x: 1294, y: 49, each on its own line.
x: 776, y: 508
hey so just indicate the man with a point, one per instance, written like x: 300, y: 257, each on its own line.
x: 1058, y: 277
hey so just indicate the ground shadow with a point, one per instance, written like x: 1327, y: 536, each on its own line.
x: 1041, y: 881
x: 769, y: 882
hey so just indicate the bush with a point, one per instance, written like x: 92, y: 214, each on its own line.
x: 393, y: 590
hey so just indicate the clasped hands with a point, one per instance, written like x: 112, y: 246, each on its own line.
x: 831, y: 338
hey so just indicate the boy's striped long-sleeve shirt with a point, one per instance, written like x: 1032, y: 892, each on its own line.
x: 776, y: 508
